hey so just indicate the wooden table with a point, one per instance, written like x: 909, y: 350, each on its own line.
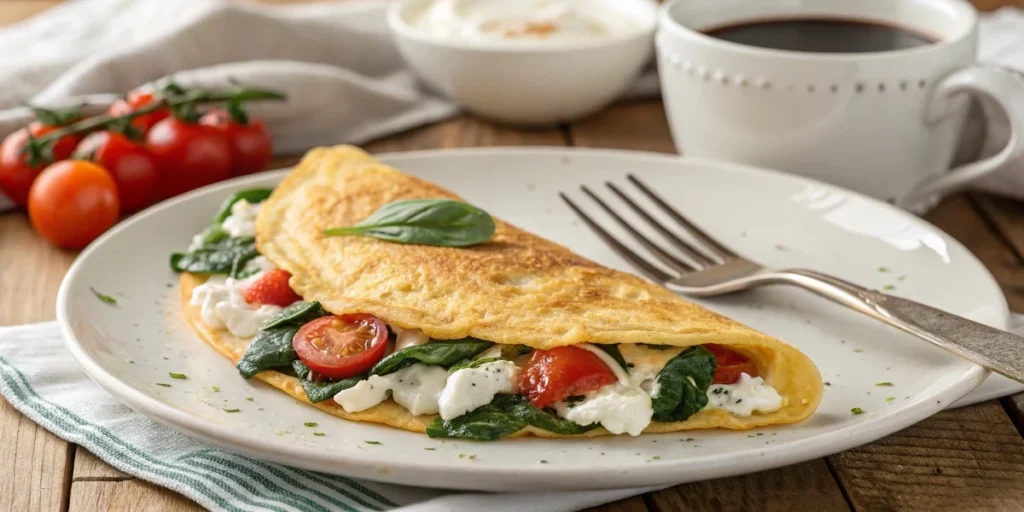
x: 966, y: 459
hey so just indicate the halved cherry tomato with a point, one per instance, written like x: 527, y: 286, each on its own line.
x: 135, y: 101
x: 730, y: 365
x: 251, y: 146
x: 341, y: 346
x: 133, y: 168
x: 73, y: 202
x: 551, y: 375
x: 16, y: 175
x: 271, y: 288
x: 189, y: 155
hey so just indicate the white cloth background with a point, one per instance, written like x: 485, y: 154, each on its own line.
x: 345, y: 79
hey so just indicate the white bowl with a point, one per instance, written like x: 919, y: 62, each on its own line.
x: 532, y: 84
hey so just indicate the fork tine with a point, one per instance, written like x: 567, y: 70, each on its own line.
x: 680, y: 244
x: 649, y: 270
x: 655, y: 249
x: 713, y: 245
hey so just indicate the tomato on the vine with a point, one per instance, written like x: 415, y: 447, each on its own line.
x: 341, y: 346
x: 16, y: 174
x: 188, y: 155
x: 251, y: 145
x: 73, y: 202
x: 552, y: 375
x: 132, y: 167
x: 137, y: 100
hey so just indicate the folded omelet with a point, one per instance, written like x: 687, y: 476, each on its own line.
x: 517, y: 289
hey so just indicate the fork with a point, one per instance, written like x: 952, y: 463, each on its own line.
x: 704, y: 267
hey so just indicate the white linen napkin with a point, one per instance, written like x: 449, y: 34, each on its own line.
x: 344, y: 77
x: 39, y: 378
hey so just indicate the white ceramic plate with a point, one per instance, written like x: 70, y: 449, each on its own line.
x: 775, y: 218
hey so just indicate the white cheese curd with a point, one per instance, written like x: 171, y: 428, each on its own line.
x: 405, y: 338
x: 367, y: 393
x: 747, y: 396
x: 549, y: 22
x: 222, y: 305
x: 242, y: 221
x: 616, y: 407
x: 470, y: 388
x: 418, y: 388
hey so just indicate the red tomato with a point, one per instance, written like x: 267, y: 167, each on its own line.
x: 730, y: 365
x: 73, y: 202
x: 133, y: 168
x: 135, y: 101
x: 251, y: 146
x: 341, y: 346
x: 188, y: 155
x: 551, y: 375
x: 16, y: 175
x: 271, y: 288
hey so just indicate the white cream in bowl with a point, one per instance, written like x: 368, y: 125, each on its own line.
x: 523, y: 22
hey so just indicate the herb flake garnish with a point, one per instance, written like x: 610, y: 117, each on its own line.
x: 216, y: 389
x: 163, y: 384
x: 106, y: 299
x: 309, y: 424
x: 857, y: 410
x: 319, y: 434
x: 890, y: 398
x: 232, y: 410
x: 885, y: 384
x: 179, y: 376
x: 372, y: 442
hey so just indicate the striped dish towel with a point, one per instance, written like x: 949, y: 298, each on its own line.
x: 40, y: 379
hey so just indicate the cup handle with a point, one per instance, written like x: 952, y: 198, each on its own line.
x: 1002, y: 85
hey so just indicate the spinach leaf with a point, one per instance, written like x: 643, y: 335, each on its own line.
x: 655, y: 347
x: 513, y: 351
x: 441, y: 222
x: 272, y: 346
x: 436, y: 353
x: 253, y: 195
x: 681, y: 387
x: 471, y: 363
x: 613, y: 351
x: 324, y: 389
x: 225, y: 256
x: 504, y: 416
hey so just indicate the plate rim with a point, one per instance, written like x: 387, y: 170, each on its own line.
x: 369, y: 467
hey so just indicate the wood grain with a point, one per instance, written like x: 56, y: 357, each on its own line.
x: 35, y: 467
x: 965, y: 459
x: 640, y: 126
x: 634, y: 504
x: 128, y: 495
x: 28, y: 296
x: 90, y: 467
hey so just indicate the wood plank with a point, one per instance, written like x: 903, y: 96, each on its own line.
x: 132, y: 494
x: 90, y: 467
x: 1005, y: 225
x: 466, y: 132
x: 28, y: 295
x: 806, y: 486
x: 36, y: 464
x: 13, y: 11
x: 639, y: 126
x: 634, y: 504
x: 964, y: 459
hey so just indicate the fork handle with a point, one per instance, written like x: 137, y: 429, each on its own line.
x: 991, y: 348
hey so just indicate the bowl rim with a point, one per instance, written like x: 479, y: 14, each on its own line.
x: 399, y: 27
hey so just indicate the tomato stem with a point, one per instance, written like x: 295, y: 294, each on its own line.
x: 173, y: 97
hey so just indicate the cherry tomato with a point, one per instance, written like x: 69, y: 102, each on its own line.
x: 551, y: 375
x: 135, y: 101
x: 188, y: 155
x: 251, y: 146
x: 730, y: 365
x: 133, y: 168
x: 16, y: 175
x: 271, y: 288
x: 73, y: 202
x: 341, y: 346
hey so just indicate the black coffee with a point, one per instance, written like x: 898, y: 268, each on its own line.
x: 826, y: 35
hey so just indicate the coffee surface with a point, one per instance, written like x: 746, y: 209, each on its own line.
x: 821, y: 35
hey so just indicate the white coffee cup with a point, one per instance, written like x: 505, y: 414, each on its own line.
x: 884, y: 123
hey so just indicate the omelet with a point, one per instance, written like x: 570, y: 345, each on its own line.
x: 516, y: 289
